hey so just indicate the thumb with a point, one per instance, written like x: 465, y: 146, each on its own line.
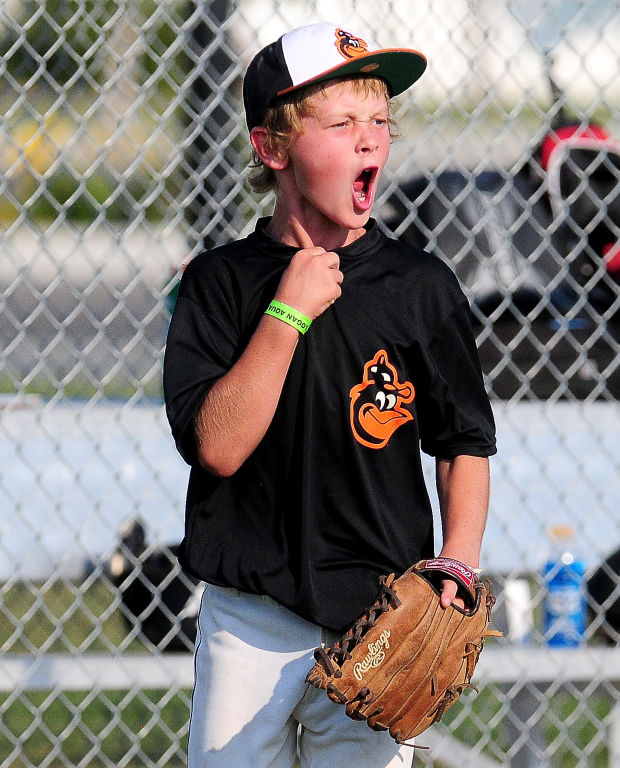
x: 448, y: 593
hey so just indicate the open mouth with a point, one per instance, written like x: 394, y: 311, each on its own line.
x: 362, y: 186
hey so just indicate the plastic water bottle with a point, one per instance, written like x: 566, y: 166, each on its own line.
x: 565, y: 608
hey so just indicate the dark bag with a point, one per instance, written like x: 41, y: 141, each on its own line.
x: 492, y: 229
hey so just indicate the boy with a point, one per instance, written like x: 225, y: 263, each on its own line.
x: 304, y: 366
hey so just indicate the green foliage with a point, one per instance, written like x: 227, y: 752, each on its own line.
x: 61, y: 37
x: 160, y: 38
x: 67, y: 46
x: 99, y: 195
x: 64, y: 42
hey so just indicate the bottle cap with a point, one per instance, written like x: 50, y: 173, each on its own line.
x: 561, y: 532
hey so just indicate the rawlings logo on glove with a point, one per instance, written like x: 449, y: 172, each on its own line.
x: 376, y: 655
x: 407, y: 660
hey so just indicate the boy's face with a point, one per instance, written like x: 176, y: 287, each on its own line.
x: 335, y: 164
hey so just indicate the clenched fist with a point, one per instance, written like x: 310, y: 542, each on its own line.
x: 312, y: 281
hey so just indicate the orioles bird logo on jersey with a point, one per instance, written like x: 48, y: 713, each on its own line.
x: 350, y: 46
x: 376, y: 410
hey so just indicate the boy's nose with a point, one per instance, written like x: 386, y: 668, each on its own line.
x: 366, y: 141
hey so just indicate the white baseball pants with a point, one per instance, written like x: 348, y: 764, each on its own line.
x: 251, y: 706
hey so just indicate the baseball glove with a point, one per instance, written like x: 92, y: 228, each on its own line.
x: 407, y: 660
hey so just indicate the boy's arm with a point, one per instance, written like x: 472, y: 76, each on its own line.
x: 463, y: 491
x: 239, y: 407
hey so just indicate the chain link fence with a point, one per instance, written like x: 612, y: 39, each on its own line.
x: 123, y: 153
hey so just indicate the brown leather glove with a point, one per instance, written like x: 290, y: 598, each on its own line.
x: 407, y: 660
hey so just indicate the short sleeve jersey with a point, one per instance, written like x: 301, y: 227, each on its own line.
x: 334, y: 495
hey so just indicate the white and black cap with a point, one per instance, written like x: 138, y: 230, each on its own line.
x: 317, y: 53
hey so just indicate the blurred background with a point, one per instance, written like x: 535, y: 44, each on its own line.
x: 123, y: 153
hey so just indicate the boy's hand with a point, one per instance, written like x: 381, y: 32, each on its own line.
x: 311, y: 282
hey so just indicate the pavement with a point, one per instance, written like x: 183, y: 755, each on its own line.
x: 83, y: 307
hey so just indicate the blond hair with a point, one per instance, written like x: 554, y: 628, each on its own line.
x: 284, y: 123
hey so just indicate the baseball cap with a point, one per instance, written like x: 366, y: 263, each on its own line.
x: 317, y: 53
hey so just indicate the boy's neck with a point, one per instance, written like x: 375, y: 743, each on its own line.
x: 291, y: 231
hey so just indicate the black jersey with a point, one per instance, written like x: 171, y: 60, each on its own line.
x: 334, y: 495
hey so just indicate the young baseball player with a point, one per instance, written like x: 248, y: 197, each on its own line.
x: 306, y: 364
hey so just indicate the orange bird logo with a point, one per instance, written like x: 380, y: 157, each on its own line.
x: 376, y: 410
x: 350, y: 46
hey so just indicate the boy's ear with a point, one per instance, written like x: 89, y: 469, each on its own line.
x: 261, y: 144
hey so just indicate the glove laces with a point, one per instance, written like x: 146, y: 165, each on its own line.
x: 333, y: 658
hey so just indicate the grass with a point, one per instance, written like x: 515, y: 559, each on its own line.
x: 62, y: 616
x: 131, y: 728
x: 82, y: 388
x: 147, y: 728
x: 94, y: 729
x: 570, y: 724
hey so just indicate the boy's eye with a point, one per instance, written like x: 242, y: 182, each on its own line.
x: 378, y: 122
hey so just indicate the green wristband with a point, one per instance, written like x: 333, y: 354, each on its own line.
x: 289, y: 315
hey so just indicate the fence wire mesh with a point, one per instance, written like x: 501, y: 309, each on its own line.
x: 122, y: 154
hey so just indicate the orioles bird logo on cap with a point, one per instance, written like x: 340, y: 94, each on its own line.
x: 350, y: 46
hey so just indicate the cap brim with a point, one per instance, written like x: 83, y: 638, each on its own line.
x: 399, y: 67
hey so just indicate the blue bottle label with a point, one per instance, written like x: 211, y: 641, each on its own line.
x: 565, y: 605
